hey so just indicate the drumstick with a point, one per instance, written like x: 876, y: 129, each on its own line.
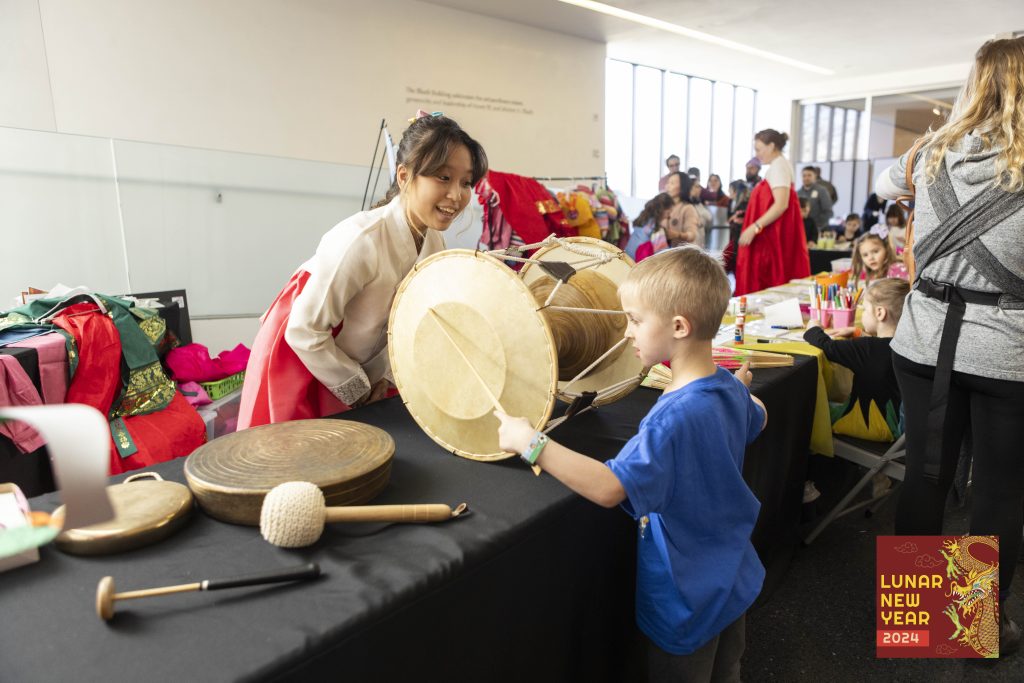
x: 105, y: 595
x: 490, y: 394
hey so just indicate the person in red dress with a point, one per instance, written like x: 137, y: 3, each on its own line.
x: 772, y: 245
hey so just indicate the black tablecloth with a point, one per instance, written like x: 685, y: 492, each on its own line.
x: 821, y: 259
x: 536, y: 583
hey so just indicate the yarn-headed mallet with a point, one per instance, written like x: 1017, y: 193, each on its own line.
x: 294, y: 514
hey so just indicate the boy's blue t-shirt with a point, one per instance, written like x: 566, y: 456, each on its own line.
x: 697, y: 570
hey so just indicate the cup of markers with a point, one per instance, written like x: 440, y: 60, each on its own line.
x: 833, y: 304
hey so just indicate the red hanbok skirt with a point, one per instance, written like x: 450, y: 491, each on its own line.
x: 278, y: 386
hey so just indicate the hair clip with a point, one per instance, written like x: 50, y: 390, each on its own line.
x: 879, y: 230
x: 421, y: 113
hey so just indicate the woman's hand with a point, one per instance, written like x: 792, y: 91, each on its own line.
x: 747, y: 236
x: 376, y: 393
x: 514, y: 433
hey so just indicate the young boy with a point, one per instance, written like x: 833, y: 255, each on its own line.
x: 681, y: 475
x: 873, y: 411
x: 851, y: 229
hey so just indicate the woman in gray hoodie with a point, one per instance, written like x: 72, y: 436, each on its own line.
x: 959, y: 349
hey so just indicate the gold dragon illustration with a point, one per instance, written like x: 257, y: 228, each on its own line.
x: 974, y: 610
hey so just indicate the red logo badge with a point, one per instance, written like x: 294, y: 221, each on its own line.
x: 937, y: 596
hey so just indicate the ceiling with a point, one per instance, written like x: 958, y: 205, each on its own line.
x: 841, y: 35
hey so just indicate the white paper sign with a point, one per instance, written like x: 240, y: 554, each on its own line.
x: 785, y: 313
x: 78, y: 438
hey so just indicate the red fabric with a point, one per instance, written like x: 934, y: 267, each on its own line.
x: 278, y: 386
x: 175, y: 431
x: 97, y: 379
x: 779, y: 253
x: 192, y: 363
x: 519, y: 197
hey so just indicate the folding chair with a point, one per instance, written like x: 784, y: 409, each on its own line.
x: 876, y: 457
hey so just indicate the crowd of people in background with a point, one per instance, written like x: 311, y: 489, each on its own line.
x: 685, y: 211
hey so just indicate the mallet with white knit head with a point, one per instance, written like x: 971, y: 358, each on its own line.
x: 294, y: 514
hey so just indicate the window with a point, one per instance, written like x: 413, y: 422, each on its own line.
x: 721, y: 134
x: 808, y: 130
x: 742, y: 134
x: 833, y: 132
x: 824, y: 133
x: 698, y: 136
x: 618, y: 132
x: 673, y: 118
x: 647, y: 159
x: 651, y: 113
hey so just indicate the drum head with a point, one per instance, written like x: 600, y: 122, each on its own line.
x: 626, y: 365
x: 461, y: 308
x: 349, y: 461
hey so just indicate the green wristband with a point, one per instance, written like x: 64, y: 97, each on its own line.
x: 530, y: 455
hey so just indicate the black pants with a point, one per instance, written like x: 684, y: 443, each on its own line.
x: 717, y: 661
x: 994, y: 411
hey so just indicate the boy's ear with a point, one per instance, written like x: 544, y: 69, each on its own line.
x: 681, y: 327
x: 881, y: 313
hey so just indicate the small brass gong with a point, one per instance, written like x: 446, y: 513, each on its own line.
x: 146, y: 509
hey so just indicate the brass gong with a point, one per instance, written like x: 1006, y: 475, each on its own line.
x: 147, y: 509
x: 349, y: 461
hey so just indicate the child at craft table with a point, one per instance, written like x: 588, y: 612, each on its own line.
x: 873, y: 409
x: 697, y: 573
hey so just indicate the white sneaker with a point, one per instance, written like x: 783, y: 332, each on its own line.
x: 811, y: 492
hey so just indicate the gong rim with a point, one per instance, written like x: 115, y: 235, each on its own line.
x: 350, y: 461
x: 526, y: 388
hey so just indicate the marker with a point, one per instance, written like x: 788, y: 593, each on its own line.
x: 787, y: 327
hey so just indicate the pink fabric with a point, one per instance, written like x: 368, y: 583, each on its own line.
x: 16, y: 389
x: 194, y: 394
x: 53, y: 364
x: 643, y: 251
x: 278, y: 386
x: 192, y: 363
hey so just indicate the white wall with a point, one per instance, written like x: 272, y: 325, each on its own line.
x: 307, y: 79
x: 300, y: 79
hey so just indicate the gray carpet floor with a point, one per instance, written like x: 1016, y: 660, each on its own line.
x: 819, y: 624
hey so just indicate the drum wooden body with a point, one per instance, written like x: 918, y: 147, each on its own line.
x: 466, y: 330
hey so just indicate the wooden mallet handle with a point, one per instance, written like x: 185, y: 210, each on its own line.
x: 105, y: 595
x: 433, y: 512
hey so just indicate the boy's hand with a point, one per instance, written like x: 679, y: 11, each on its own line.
x: 812, y: 323
x: 843, y: 332
x: 515, y: 433
x: 744, y: 375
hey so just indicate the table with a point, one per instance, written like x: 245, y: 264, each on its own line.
x: 536, y: 584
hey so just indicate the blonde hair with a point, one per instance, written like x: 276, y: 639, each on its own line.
x: 991, y: 103
x: 684, y: 281
x: 857, y: 264
x: 889, y: 293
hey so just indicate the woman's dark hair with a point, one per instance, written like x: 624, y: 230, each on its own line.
x: 426, y: 145
x: 894, y: 211
x: 770, y: 136
x: 653, y: 209
x: 685, y: 183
